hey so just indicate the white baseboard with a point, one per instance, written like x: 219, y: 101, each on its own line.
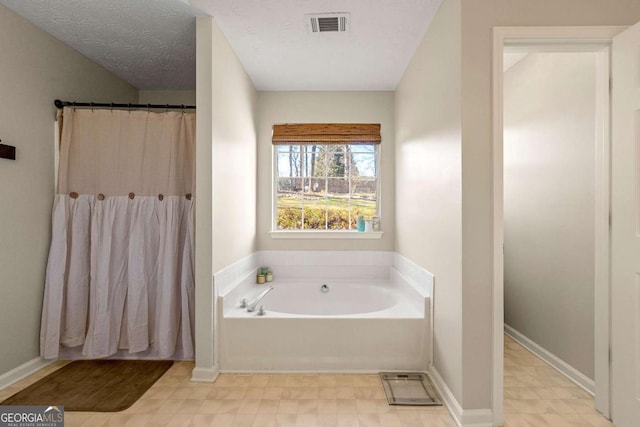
x: 462, y: 418
x: 581, y: 380
x: 447, y: 396
x: 23, y: 371
x: 205, y: 375
x: 477, y: 418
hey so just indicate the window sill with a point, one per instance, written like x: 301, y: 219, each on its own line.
x: 325, y: 234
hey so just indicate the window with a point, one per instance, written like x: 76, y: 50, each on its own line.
x: 324, y: 181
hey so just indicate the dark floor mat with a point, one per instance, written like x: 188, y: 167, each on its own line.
x: 93, y: 385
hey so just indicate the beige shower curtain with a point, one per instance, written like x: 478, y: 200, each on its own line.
x: 120, y: 276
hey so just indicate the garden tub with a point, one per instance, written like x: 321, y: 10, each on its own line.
x: 320, y: 325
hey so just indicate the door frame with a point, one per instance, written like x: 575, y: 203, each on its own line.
x: 573, y: 39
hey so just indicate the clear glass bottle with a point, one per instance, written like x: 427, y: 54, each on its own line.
x: 375, y: 223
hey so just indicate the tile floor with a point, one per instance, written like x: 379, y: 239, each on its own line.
x: 535, y: 396
x: 257, y: 400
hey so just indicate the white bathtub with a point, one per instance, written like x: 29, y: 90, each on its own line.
x: 359, y: 325
x: 343, y: 299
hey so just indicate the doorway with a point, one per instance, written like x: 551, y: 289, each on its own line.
x: 534, y: 40
x: 549, y: 223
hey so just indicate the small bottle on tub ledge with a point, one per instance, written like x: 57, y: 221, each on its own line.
x: 264, y: 275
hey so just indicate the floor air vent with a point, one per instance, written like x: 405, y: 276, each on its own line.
x: 409, y: 388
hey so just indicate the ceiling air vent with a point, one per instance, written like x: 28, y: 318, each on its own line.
x: 328, y: 22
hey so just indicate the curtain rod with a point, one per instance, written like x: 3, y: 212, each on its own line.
x: 61, y: 104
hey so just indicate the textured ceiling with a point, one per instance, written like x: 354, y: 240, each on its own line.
x: 151, y: 43
x: 272, y: 41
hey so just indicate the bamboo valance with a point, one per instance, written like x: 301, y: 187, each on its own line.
x: 326, y: 133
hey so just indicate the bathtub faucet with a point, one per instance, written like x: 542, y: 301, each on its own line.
x: 253, y: 304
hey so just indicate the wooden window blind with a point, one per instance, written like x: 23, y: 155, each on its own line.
x: 326, y: 133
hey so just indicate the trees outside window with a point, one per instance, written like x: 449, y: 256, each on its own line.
x: 325, y: 186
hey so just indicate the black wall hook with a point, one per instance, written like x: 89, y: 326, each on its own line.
x: 7, y: 151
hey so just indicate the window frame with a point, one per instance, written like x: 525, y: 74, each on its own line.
x: 323, y: 233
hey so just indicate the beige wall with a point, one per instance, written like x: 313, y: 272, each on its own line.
x: 428, y: 179
x: 177, y: 97
x: 205, y: 313
x: 549, y: 203
x: 225, y: 176
x: 325, y: 107
x: 35, y: 70
x: 234, y: 157
x: 478, y: 20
